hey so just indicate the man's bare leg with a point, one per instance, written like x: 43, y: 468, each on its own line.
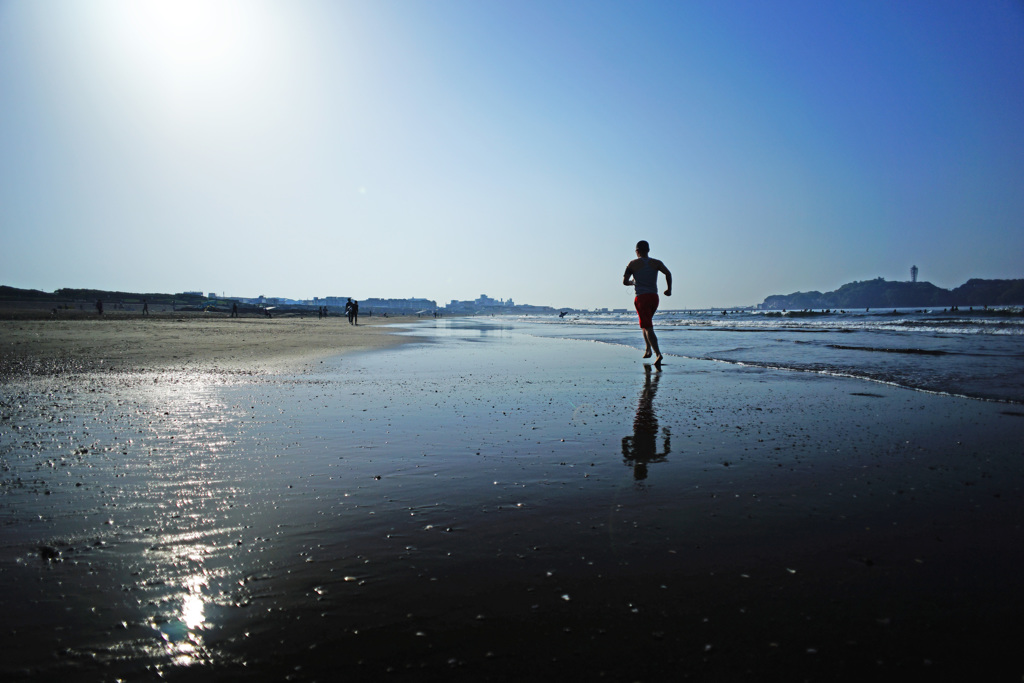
x: 651, y: 340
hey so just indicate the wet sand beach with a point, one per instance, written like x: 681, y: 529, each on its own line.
x: 480, y: 504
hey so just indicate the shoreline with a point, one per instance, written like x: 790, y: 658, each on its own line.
x: 193, y: 341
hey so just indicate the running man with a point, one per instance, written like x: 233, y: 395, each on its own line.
x: 642, y: 275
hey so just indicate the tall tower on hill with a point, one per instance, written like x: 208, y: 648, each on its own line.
x: 913, y: 273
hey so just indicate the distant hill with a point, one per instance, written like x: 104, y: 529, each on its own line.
x: 90, y: 295
x: 880, y: 293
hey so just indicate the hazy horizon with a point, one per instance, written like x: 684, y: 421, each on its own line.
x: 518, y: 149
x: 667, y: 304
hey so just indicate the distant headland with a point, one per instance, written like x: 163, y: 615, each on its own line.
x: 880, y: 293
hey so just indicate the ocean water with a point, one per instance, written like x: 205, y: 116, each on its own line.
x: 974, y: 353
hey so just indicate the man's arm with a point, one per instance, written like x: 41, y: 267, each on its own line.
x: 668, y: 278
x: 627, y: 277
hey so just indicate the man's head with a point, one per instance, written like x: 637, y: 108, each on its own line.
x: 643, y: 248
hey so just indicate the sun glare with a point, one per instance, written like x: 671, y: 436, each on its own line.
x: 188, y: 32
x: 190, y: 62
x: 189, y: 45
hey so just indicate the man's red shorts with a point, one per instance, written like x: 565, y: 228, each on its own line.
x: 646, y: 305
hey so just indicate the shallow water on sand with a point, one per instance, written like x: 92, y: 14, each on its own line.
x: 978, y: 354
x: 441, y: 509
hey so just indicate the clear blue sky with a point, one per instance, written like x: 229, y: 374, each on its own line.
x: 450, y: 148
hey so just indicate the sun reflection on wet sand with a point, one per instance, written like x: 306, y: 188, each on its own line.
x: 193, y: 522
x: 192, y: 611
x: 147, y: 511
x: 182, y: 634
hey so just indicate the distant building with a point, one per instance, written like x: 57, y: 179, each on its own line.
x: 482, y: 304
x: 411, y: 305
x: 913, y: 273
x: 485, y: 301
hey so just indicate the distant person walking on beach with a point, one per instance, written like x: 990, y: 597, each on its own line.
x: 234, y: 310
x: 348, y: 310
x: 642, y: 275
x: 355, y: 312
x: 145, y: 307
x: 99, y: 306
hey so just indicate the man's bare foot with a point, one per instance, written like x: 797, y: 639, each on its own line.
x: 657, y: 361
x: 647, y: 353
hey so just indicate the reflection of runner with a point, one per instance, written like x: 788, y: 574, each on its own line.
x: 642, y: 448
x: 642, y: 274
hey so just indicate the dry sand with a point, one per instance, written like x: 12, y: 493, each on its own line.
x: 197, y: 341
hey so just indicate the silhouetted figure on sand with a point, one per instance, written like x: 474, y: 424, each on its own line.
x: 99, y: 306
x: 642, y: 275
